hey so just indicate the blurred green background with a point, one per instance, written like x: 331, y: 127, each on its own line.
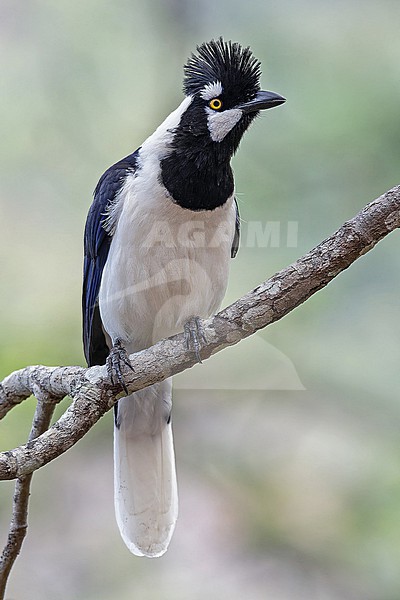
x: 289, y: 484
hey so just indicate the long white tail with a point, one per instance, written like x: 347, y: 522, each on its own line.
x: 146, y: 498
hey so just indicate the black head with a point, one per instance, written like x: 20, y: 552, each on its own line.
x: 223, y: 82
x: 223, y: 79
x: 227, y: 63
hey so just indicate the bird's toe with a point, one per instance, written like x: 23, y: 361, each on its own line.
x: 194, y: 336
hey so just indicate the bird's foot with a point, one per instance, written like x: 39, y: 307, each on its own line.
x: 194, y: 336
x: 116, y: 360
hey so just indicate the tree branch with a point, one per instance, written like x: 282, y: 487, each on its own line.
x: 93, y: 393
x: 19, y: 522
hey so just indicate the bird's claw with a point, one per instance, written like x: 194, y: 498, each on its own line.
x: 117, y: 358
x: 194, y: 336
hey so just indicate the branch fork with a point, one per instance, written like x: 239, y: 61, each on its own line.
x: 93, y: 392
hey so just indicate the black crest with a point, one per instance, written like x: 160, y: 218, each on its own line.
x: 235, y: 67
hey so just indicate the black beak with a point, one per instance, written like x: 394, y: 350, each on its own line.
x: 261, y: 101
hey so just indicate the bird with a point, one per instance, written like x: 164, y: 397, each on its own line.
x: 159, y: 236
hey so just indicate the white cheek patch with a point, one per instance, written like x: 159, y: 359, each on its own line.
x: 221, y: 123
x: 211, y: 90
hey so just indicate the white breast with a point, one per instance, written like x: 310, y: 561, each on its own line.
x: 166, y: 263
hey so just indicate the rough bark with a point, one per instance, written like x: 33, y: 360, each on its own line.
x: 92, y: 392
x: 19, y: 522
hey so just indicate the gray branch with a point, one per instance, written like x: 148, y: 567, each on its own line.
x: 92, y: 392
x: 19, y: 522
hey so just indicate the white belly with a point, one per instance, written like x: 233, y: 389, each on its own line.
x: 165, y: 265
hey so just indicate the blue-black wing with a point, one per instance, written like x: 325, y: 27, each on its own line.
x: 97, y: 245
x: 236, y: 238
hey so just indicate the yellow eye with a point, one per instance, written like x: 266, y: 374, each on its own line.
x: 215, y: 104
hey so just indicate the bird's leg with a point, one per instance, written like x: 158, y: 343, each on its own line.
x: 117, y: 358
x: 194, y: 336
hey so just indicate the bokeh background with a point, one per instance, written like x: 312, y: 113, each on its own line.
x: 289, y: 463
